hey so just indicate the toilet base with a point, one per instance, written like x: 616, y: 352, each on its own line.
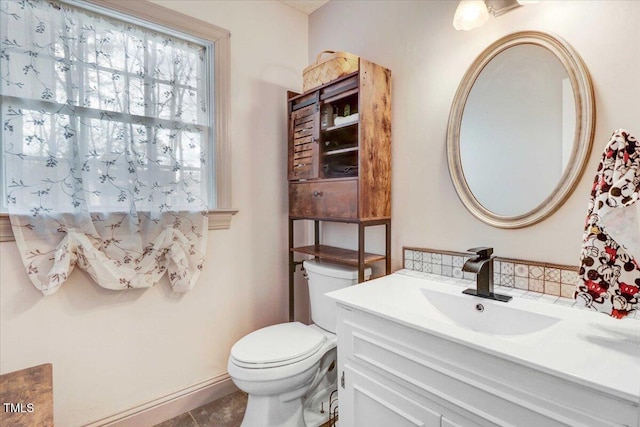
x: 320, y: 400
x: 318, y: 415
x: 272, y: 411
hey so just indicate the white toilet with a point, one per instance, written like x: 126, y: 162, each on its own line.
x: 287, y: 369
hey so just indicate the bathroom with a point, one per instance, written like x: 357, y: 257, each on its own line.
x: 152, y: 354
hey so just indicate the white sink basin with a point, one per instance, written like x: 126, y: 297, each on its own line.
x: 486, y: 316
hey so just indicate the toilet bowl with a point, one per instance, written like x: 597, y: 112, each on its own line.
x: 282, y: 366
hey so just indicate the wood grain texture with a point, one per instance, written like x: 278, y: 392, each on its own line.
x: 375, y: 141
x: 325, y: 199
x: 372, y: 84
x: 26, y: 397
x: 345, y: 256
x: 303, y: 147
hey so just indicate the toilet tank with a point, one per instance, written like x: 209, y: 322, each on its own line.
x: 326, y: 277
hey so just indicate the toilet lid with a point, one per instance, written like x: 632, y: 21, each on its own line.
x: 278, y: 344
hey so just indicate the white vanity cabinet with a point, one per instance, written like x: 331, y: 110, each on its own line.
x: 393, y: 374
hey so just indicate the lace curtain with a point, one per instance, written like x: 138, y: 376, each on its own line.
x: 105, y: 134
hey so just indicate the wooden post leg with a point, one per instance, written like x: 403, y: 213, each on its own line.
x: 360, y: 252
x: 292, y: 270
x: 387, y: 227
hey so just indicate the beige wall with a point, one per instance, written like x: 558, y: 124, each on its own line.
x: 428, y: 58
x: 114, y: 350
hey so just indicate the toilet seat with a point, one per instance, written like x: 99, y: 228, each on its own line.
x: 277, y: 345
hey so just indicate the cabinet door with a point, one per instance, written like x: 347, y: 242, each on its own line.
x: 339, y: 136
x: 365, y: 401
x: 303, y: 143
x: 446, y: 422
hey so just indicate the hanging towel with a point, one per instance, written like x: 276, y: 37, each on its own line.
x: 610, y: 258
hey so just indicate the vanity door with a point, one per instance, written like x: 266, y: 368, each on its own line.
x: 375, y: 390
x: 446, y: 422
x: 367, y: 401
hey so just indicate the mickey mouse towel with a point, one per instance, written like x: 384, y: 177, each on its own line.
x: 609, y: 279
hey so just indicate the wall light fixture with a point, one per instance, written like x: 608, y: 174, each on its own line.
x: 471, y: 14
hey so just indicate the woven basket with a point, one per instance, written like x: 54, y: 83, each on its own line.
x: 328, y: 68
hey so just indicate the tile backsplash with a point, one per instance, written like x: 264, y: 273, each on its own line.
x: 545, y: 278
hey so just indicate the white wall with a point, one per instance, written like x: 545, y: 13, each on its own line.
x: 114, y: 350
x: 427, y: 57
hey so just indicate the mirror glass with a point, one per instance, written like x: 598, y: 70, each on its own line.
x: 517, y: 129
x: 520, y: 130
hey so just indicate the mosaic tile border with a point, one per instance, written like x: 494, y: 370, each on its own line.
x: 544, y: 278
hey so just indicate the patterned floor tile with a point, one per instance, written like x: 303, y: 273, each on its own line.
x: 184, y: 420
x: 224, y: 412
x: 227, y: 411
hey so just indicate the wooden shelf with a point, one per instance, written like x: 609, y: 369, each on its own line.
x: 338, y: 97
x: 364, y: 221
x: 340, y: 151
x: 344, y: 125
x: 345, y: 256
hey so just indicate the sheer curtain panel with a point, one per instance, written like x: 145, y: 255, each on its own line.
x: 105, y: 131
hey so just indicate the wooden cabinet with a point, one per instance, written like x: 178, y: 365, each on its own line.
x: 342, y: 131
x: 339, y: 162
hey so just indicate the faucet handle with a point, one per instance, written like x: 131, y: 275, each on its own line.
x: 483, y: 252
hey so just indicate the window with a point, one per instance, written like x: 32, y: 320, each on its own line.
x: 108, y: 75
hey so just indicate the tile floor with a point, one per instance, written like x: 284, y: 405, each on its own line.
x: 224, y: 412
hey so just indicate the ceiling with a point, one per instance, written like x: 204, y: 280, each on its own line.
x: 305, y: 6
x: 497, y: 7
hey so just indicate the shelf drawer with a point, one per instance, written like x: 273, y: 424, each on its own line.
x: 335, y: 199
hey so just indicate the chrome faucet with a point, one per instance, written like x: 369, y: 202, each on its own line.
x: 482, y: 265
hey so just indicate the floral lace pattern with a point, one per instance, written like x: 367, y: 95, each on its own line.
x: 610, y: 264
x: 105, y: 129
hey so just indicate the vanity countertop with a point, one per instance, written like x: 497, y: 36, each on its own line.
x: 588, y: 348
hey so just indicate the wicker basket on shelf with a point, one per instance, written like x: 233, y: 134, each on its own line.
x: 328, y: 66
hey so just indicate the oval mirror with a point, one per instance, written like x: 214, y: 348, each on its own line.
x: 520, y: 129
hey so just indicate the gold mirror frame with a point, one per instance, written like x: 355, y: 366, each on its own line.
x: 583, y: 134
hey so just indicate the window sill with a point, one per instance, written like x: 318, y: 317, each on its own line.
x: 219, y: 219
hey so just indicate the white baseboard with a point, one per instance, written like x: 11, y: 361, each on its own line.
x: 172, y: 405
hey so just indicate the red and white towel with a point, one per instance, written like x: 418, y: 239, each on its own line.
x: 610, y: 259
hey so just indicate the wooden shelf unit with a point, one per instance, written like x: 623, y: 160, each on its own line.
x: 341, y: 173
